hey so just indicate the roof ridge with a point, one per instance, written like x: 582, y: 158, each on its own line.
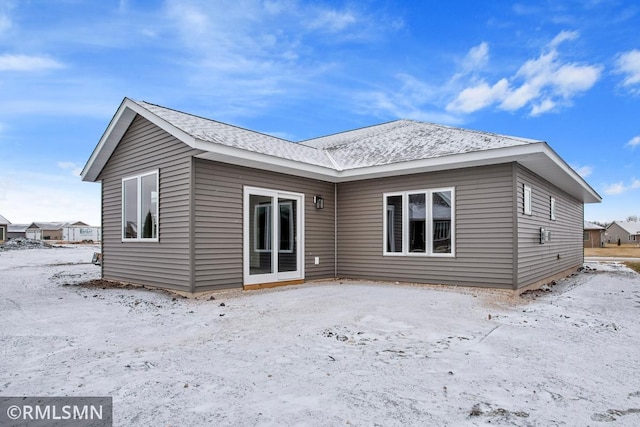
x: 349, y: 131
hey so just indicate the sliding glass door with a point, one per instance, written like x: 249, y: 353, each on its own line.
x: 272, y: 236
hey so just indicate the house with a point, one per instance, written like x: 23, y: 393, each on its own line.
x: 50, y: 230
x: 626, y: 231
x: 4, y: 225
x: 594, y: 235
x: 193, y: 205
x: 15, y: 231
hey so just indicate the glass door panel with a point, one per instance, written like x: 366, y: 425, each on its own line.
x: 260, y: 234
x: 287, y: 233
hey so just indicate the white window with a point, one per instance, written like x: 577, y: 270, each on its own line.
x: 419, y: 222
x: 552, y: 212
x: 527, y: 200
x: 140, y: 207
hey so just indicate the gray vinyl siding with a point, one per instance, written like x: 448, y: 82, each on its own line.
x: 565, y: 250
x: 218, y: 200
x: 165, y: 263
x: 483, y: 221
x: 615, y: 232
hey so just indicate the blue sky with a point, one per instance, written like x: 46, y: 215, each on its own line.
x: 566, y: 72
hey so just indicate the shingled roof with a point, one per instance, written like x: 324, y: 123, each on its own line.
x: 406, y: 140
x: 631, y: 227
x: 394, y: 148
x: 207, y: 130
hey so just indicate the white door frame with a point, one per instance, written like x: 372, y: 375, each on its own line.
x: 275, y: 276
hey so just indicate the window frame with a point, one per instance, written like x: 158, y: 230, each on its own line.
x: 289, y: 249
x: 269, y: 241
x: 256, y: 221
x: 428, y: 193
x: 552, y: 208
x: 139, y: 220
x: 527, y: 199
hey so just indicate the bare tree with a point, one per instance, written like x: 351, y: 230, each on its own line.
x: 632, y: 218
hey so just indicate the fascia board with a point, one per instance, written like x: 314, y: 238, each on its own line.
x: 115, y: 131
x: 590, y: 195
x: 242, y: 157
x: 537, y: 156
x: 252, y: 159
x: 116, y: 128
x: 454, y: 161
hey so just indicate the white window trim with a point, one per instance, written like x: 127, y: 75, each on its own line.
x: 139, y: 208
x: 428, y: 226
x: 552, y: 208
x: 527, y: 199
x: 385, y: 226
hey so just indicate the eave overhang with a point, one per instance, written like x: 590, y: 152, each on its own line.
x: 537, y: 157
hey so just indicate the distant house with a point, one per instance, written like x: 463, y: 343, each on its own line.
x: 15, y: 231
x: 4, y: 225
x: 50, y: 230
x: 594, y: 235
x: 626, y: 231
x: 193, y: 205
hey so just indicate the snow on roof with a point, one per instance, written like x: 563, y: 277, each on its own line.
x: 389, y: 149
x: 406, y: 140
x: 17, y: 228
x: 4, y: 220
x: 234, y: 136
x: 55, y: 225
x: 592, y: 226
x: 393, y: 142
x: 631, y: 227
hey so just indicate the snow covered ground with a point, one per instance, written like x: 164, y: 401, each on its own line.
x: 351, y: 353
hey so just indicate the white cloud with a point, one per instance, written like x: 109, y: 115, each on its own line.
x: 628, y: 63
x: 5, y: 23
x: 614, y: 189
x: 477, y: 57
x: 10, y: 62
x: 562, y: 37
x: 634, y: 142
x: 5, y: 20
x: 330, y: 20
x: 28, y: 197
x: 620, y: 188
x: 70, y: 166
x: 583, y: 171
x: 478, y: 97
x: 255, y: 49
x: 541, y: 84
x: 409, y: 101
